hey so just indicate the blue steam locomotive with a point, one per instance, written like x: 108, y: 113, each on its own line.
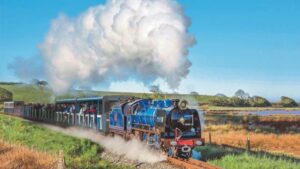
x: 166, y: 124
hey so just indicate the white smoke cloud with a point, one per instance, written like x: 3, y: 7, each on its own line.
x: 141, y: 39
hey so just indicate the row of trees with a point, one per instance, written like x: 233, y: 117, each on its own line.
x: 243, y: 99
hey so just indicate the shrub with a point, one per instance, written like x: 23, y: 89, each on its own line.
x: 5, y: 95
x: 287, y: 102
x: 221, y: 101
x: 257, y: 101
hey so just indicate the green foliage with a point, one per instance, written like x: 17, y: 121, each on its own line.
x: 258, y: 101
x: 78, y: 153
x: 287, y: 102
x: 241, y: 99
x: 230, y: 101
x: 5, y: 95
x: 221, y: 101
x: 1, y: 107
x: 241, y: 94
x: 239, y: 102
x: 255, y: 101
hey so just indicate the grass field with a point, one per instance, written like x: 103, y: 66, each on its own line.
x: 13, y: 156
x: 230, y: 158
x: 246, y: 161
x: 288, y: 144
x: 277, y: 133
x: 78, y: 153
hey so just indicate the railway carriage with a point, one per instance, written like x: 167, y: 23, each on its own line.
x: 14, y: 108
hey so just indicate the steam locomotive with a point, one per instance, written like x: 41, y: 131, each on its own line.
x: 163, y: 124
x: 166, y: 124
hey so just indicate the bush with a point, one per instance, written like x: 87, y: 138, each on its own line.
x: 238, y: 102
x: 287, y: 102
x: 221, y: 101
x: 257, y: 101
x: 5, y: 95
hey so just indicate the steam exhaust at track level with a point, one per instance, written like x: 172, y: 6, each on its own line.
x: 132, y: 149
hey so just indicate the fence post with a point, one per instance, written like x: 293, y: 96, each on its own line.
x: 61, y: 161
x: 248, y: 148
x: 209, y: 137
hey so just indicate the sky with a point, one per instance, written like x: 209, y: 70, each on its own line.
x: 251, y: 44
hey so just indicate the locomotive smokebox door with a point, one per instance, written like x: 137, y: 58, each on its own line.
x: 161, y: 120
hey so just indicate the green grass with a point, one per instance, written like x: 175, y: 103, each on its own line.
x: 78, y: 153
x: 1, y: 107
x: 246, y: 161
x: 232, y: 158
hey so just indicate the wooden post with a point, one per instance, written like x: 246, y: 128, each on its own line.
x: 209, y: 137
x: 248, y: 148
x: 61, y: 160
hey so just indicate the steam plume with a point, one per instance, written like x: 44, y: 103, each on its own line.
x: 141, y: 39
x: 133, y: 149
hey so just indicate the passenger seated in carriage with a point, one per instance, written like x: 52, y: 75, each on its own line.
x: 83, y: 108
x: 92, y: 110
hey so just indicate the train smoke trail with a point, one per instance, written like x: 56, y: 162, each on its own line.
x: 122, y: 39
x: 133, y: 149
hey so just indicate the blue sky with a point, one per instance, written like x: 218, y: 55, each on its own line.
x: 249, y: 44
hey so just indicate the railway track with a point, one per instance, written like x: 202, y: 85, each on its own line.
x: 191, y: 164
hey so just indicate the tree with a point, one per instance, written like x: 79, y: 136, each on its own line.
x: 35, y: 81
x: 287, y: 102
x: 42, y: 83
x: 154, y: 89
x: 194, y: 93
x: 242, y: 94
x: 238, y: 102
x: 5, y: 95
x: 220, y: 95
x: 221, y: 101
x: 258, y: 101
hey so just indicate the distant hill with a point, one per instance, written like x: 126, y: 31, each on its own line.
x: 10, y: 83
x: 29, y: 93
